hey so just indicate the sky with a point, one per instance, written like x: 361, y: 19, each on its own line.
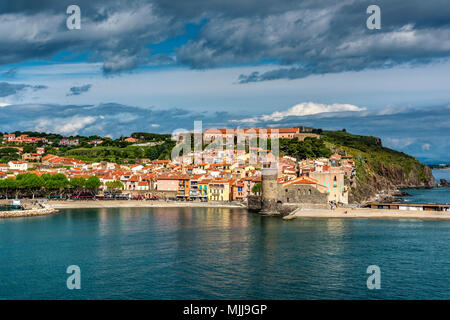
x: 160, y: 65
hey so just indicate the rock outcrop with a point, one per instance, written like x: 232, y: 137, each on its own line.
x: 444, y: 183
x: 384, y: 182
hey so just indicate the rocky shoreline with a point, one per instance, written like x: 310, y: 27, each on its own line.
x: 28, y: 213
x: 390, y: 196
x: 444, y: 183
x: 384, y: 184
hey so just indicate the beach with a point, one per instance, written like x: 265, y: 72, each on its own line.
x: 348, y: 213
x: 140, y: 204
x: 367, y: 213
x: 364, y: 213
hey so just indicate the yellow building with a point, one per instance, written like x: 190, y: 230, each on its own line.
x: 219, y: 190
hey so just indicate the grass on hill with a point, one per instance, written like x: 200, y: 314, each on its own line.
x: 370, y: 156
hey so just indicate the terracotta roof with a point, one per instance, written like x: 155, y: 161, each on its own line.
x: 301, y: 180
x: 173, y: 177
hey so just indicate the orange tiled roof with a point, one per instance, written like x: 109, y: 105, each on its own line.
x: 301, y: 180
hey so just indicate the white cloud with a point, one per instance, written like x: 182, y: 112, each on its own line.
x: 65, y: 126
x: 399, y: 142
x: 303, y: 109
x: 426, y: 147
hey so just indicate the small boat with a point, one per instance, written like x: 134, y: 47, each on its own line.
x: 16, y: 205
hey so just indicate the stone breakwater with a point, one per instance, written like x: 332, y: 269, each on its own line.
x: 27, y: 213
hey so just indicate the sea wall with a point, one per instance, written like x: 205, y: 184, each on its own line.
x: 27, y: 213
x: 254, y: 202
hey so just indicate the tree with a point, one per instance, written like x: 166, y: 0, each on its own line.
x: 77, y: 184
x: 308, y: 148
x: 8, y: 154
x: 56, y: 183
x: 93, y: 183
x: 7, y: 185
x: 257, y: 188
x: 29, y: 182
x: 115, y: 186
x: 29, y: 148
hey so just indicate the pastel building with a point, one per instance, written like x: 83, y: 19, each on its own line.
x: 333, y: 181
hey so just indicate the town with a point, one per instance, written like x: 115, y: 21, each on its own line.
x: 220, y: 176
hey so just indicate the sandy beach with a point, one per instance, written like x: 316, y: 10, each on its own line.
x: 361, y: 213
x: 367, y: 213
x: 139, y: 204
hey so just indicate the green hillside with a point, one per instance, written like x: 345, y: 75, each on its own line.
x: 377, y: 168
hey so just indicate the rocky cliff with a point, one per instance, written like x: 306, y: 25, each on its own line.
x: 383, y: 183
x: 379, y: 171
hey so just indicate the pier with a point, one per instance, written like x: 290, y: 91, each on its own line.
x: 410, y: 206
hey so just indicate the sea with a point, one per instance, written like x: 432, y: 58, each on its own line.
x: 435, y: 195
x: 222, y: 253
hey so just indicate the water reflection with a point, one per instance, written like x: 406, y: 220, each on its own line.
x: 213, y: 253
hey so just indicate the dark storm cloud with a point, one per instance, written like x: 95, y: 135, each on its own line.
x: 326, y: 39
x: 76, y: 91
x: 115, y: 32
x: 306, y: 37
x: 9, y: 89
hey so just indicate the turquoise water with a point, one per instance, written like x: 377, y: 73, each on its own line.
x: 441, y: 174
x: 435, y: 195
x: 184, y: 253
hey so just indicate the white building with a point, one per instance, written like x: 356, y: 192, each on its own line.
x: 18, y: 165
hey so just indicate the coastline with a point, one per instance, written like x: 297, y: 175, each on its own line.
x: 139, y: 204
x: 367, y: 213
x: 47, y: 210
x: 352, y: 213
x: 340, y: 213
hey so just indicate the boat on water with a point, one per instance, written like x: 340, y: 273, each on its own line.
x: 12, y: 206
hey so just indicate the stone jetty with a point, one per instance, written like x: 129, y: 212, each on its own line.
x: 43, y: 210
